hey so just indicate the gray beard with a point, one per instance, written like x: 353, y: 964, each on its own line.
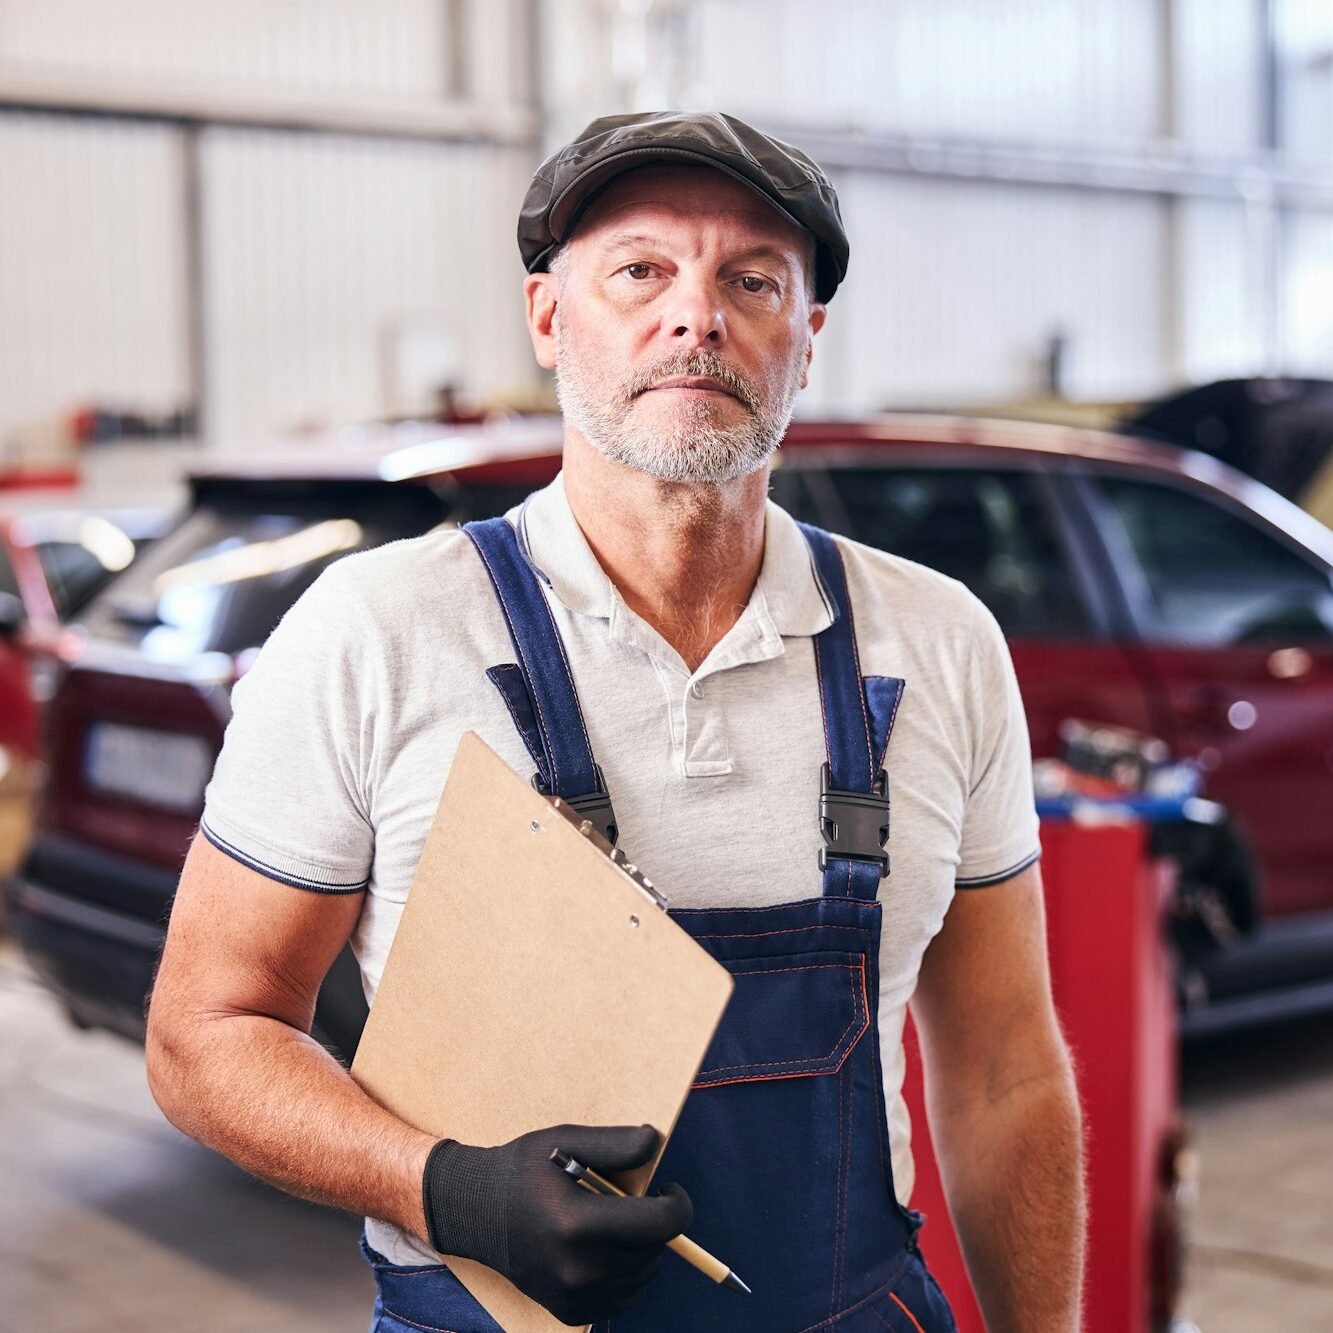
x: 696, y: 446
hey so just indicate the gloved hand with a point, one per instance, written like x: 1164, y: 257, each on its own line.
x: 583, y: 1256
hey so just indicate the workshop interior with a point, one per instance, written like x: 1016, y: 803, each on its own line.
x: 261, y: 310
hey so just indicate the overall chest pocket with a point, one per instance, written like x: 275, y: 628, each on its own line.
x: 791, y: 1017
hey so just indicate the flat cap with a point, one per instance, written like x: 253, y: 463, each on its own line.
x: 789, y: 180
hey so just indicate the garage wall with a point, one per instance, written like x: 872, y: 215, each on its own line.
x: 327, y: 260
x: 1041, y: 69
x: 324, y: 260
x: 1152, y: 286
x: 957, y: 290
x: 395, y: 47
x: 92, y: 267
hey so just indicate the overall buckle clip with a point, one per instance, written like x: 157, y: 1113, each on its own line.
x: 594, y: 806
x: 853, y: 824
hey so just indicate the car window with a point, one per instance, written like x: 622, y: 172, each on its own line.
x: 989, y: 529
x: 221, y: 581
x: 1214, y: 576
x: 77, y: 571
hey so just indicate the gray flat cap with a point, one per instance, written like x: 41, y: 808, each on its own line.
x: 566, y: 182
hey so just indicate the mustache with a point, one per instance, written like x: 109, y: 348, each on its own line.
x: 700, y: 363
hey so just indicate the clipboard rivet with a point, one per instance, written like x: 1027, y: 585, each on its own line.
x: 633, y: 921
x: 536, y: 827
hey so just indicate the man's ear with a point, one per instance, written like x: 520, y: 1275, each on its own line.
x: 818, y: 314
x: 540, y: 291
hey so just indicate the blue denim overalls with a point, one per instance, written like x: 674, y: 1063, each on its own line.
x: 783, y: 1141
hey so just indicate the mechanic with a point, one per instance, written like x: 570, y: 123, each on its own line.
x: 737, y: 685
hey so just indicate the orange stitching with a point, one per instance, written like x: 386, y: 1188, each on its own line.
x: 865, y: 1300
x: 809, y: 1059
x: 774, y: 907
x: 803, y: 967
x: 856, y: 663
x: 518, y: 647
x: 786, y: 930
x: 403, y: 1319
x: 907, y: 1312
x: 796, y: 1073
x: 893, y: 718
x: 841, y: 1200
x: 569, y: 671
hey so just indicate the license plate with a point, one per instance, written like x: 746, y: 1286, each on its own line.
x: 162, y: 768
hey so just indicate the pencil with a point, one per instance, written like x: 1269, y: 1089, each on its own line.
x: 683, y: 1245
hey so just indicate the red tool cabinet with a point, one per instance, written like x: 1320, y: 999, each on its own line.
x: 1111, y: 975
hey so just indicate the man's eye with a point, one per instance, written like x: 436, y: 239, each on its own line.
x: 754, y: 285
x: 638, y: 271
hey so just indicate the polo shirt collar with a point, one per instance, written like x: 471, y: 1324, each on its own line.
x: 788, y: 595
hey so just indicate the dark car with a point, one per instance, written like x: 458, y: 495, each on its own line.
x: 52, y: 563
x: 56, y: 560
x: 1139, y: 586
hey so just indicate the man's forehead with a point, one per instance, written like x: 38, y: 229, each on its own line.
x: 688, y: 193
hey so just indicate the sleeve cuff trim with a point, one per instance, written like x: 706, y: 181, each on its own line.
x: 985, y: 881
x: 271, y: 872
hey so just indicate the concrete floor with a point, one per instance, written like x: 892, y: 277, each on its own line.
x: 1260, y: 1107
x: 111, y: 1222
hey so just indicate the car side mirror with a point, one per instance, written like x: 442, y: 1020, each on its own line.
x: 11, y: 616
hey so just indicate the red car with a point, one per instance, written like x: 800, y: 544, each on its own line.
x: 1139, y: 585
x: 52, y: 563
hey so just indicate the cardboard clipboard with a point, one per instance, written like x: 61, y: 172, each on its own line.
x: 534, y: 980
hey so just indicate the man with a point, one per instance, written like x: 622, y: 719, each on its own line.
x: 737, y: 683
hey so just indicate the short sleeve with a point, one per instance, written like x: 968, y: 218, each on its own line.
x: 287, y: 796
x: 1000, y: 827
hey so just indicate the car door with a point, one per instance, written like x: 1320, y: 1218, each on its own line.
x: 1236, y: 621
x: 1000, y: 531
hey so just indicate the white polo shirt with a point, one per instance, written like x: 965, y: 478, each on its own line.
x: 344, y: 730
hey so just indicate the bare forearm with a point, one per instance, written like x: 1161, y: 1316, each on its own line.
x: 1013, y: 1172
x: 277, y: 1104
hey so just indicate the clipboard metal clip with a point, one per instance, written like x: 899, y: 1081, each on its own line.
x: 576, y: 812
x: 595, y: 805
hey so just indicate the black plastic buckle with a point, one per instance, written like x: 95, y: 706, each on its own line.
x: 854, y: 825
x: 595, y: 806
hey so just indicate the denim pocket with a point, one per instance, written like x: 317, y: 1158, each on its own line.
x: 915, y: 1304
x: 792, y: 1017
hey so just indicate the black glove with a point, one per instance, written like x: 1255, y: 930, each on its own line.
x: 583, y: 1256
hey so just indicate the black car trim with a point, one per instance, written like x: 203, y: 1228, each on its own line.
x: 101, y: 921
x: 122, y: 883
x: 294, y: 881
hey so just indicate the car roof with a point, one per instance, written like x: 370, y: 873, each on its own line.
x: 496, y: 450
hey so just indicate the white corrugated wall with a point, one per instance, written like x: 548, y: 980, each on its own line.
x: 396, y: 47
x: 319, y: 250
x: 92, y: 268
x: 955, y: 290
x: 1034, y: 69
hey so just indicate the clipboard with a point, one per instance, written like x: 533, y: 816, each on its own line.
x: 535, y: 979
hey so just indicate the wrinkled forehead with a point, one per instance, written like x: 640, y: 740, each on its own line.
x: 669, y: 197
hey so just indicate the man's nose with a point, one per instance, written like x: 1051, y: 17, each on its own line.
x: 693, y: 315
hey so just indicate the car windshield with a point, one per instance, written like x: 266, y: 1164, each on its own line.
x: 223, y: 579
x: 76, y: 571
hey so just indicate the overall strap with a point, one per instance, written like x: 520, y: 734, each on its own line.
x: 854, y: 786
x: 539, y: 688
